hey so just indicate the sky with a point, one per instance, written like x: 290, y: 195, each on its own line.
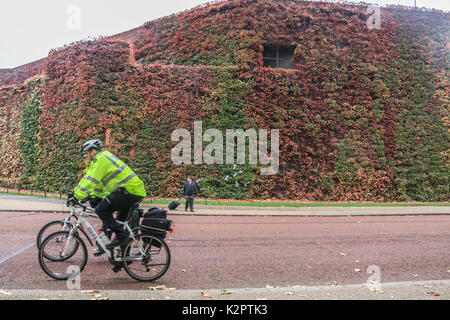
x: 29, y: 29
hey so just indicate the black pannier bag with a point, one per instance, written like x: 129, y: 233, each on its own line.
x: 155, y: 223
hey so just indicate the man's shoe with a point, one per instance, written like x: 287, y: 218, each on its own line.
x: 99, y: 252
x: 117, y: 242
x: 117, y: 268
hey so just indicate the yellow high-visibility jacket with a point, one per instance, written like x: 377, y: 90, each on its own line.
x: 105, y: 174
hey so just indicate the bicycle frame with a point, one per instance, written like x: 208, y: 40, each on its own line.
x: 83, y: 223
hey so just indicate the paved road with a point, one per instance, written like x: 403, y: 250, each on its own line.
x: 10, y: 202
x: 214, y: 252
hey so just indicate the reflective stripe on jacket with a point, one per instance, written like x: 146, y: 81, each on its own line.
x: 105, y: 174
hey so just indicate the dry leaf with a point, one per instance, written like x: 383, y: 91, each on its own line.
x: 342, y: 254
x: 90, y: 291
x: 163, y: 287
x: 377, y: 291
x: 358, y: 270
x: 4, y: 292
x: 432, y: 293
x: 205, y: 294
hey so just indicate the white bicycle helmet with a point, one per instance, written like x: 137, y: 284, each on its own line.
x: 91, y: 144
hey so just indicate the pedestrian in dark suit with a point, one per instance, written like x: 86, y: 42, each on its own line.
x: 190, y: 190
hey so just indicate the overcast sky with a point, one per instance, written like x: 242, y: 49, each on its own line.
x: 29, y: 29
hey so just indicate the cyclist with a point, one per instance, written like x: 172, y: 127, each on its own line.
x: 107, y: 177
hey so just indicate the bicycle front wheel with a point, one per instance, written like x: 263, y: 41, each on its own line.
x: 62, y: 260
x: 149, y: 258
x: 49, y: 228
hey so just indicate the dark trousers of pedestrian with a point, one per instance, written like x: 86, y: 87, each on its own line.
x: 189, y: 203
x: 116, y: 201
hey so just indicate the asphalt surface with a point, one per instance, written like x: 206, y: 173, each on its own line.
x: 255, y: 256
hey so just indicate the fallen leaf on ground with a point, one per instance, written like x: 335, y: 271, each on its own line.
x: 288, y: 293
x: 90, y: 291
x: 163, y: 287
x: 358, y: 270
x: 377, y: 291
x: 431, y: 293
x: 342, y: 254
x: 270, y: 287
x: 227, y: 291
x: 205, y: 294
x: 4, y: 292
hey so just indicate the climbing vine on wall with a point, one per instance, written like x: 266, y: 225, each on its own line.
x: 362, y: 115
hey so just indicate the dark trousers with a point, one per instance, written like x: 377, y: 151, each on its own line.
x: 116, y: 201
x: 189, y: 203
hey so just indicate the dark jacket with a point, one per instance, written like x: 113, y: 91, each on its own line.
x: 190, y: 189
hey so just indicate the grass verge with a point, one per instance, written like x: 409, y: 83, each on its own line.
x: 261, y: 203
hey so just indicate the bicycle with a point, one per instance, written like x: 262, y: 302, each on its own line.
x: 66, y: 224
x: 146, y: 248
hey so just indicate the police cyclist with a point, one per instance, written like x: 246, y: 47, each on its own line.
x: 109, y: 179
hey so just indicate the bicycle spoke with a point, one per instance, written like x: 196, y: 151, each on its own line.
x: 155, y: 261
x: 59, y: 266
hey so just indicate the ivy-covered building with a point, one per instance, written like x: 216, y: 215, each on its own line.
x: 362, y: 112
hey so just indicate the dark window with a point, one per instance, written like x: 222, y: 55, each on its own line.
x: 278, y: 57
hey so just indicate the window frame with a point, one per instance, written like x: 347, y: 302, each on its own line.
x: 277, y: 56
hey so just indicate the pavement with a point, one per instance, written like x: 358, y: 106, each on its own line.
x: 36, y: 204
x: 419, y: 290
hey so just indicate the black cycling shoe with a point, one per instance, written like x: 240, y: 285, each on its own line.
x: 99, y: 252
x: 117, y: 242
x: 117, y: 268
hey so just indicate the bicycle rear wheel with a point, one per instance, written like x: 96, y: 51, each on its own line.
x: 154, y: 262
x: 62, y: 260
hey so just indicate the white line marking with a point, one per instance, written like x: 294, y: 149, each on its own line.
x: 17, y: 252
